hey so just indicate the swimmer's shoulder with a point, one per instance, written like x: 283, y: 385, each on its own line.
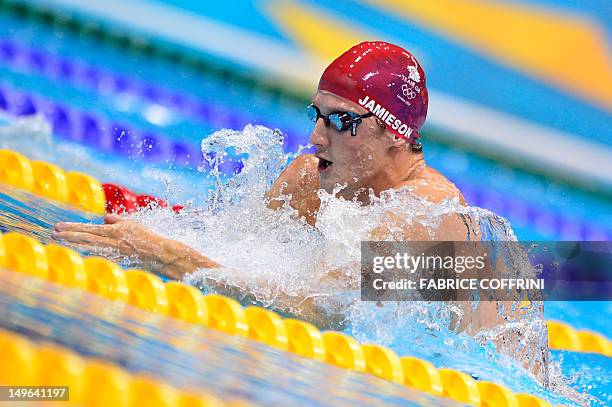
x: 303, y: 170
x: 434, y: 187
x: 300, y: 180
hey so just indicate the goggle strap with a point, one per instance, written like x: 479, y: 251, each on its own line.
x: 414, y: 140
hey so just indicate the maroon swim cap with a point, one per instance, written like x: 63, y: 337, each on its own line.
x: 386, y: 80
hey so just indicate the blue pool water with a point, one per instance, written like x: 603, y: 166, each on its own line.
x: 586, y: 373
x: 99, y: 89
x: 103, y: 88
x: 183, y: 355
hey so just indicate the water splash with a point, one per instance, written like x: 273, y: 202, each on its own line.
x: 260, y: 156
x: 33, y: 137
x: 281, y: 260
x: 190, y: 357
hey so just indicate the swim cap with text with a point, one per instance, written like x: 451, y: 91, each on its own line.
x: 386, y: 80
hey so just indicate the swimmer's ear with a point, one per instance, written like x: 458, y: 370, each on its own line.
x: 397, y: 142
x: 112, y: 218
x: 381, y: 126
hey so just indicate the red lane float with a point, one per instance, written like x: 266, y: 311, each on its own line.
x: 119, y: 199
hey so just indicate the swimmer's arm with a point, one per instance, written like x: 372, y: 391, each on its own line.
x: 176, y: 259
x: 395, y: 228
x: 300, y: 180
x: 119, y: 238
x: 452, y: 228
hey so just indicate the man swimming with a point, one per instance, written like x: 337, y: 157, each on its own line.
x: 368, y: 110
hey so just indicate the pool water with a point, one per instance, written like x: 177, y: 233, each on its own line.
x: 89, y: 96
x: 91, y: 91
x: 186, y: 356
x: 587, y: 374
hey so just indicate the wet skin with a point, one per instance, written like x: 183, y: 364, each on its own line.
x: 374, y: 159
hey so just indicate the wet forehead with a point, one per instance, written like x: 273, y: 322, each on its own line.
x: 328, y: 102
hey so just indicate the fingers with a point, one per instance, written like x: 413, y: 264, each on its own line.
x: 100, y: 230
x: 107, y: 252
x: 111, y: 218
x: 83, y: 238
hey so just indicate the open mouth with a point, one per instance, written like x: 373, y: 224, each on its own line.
x: 324, y: 164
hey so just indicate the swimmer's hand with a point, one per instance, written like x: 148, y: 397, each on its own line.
x: 119, y: 236
x: 125, y: 237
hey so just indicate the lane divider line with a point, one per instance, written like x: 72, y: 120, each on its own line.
x: 147, y: 291
x: 562, y: 336
x: 79, y: 190
x: 23, y: 58
x: 140, y: 45
x: 91, y: 382
x: 83, y: 191
x: 87, y: 128
x: 74, y: 188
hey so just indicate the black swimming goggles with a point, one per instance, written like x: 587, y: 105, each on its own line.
x: 340, y: 121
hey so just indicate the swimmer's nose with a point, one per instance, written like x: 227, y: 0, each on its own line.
x: 319, y: 136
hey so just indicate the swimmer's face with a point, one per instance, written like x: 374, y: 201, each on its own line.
x: 359, y: 161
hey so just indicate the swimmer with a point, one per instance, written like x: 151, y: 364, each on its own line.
x: 368, y: 110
